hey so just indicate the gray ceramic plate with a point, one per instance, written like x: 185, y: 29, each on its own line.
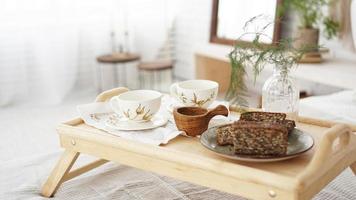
x: 298, y: 143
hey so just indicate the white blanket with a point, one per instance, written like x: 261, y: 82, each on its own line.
x: 339, y: 106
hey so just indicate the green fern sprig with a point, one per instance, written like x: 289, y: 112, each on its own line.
x: 283, y: 55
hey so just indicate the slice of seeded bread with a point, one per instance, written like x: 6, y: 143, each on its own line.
x: 224, y: 135
x: 289, y: 124
x: 262, y: 116
x: 268, y: 117
x: 257, y: 133
x: 259, y: 138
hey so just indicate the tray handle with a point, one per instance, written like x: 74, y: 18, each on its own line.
x: 106, y: 95
x: 325, y: 153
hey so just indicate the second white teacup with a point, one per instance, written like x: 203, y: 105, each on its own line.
x: 200, y: 93
x: 137, y: 105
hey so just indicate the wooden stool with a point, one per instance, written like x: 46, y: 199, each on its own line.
x: 153, y: 68
x: 115, y: 59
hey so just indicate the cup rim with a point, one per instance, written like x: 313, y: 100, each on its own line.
x: 216, y: 84
x: 176, y: 111
x: 156, y: 93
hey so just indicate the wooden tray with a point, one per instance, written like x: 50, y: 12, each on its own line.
x: 186, y: 159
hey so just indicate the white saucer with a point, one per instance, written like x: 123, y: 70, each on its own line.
x: 120, y: 124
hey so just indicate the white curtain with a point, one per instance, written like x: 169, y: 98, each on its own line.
x: 48, y: 47
x: 342, y: 12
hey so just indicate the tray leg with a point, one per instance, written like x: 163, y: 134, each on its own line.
x: 353, y: 167
x: 62, y: 168
x: 81, y: 170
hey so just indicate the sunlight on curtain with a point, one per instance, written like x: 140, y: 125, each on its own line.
x: 48, y: 47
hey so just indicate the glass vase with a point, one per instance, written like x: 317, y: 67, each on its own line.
x: 280, y: 93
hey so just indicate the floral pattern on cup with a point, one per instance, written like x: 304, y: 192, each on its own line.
x: 139, y: 111
x: 137, y: 105
x: 195, y: 101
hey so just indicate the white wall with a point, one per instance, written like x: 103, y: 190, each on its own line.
x: 193, y: 30
x: 148, y: 22
x: 49, y: 46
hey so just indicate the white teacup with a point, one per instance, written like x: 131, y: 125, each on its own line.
x: 137, y: 105
x: 199, y: 93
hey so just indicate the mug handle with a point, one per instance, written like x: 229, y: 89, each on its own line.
x: 173, y: 90
x: 113, y: 105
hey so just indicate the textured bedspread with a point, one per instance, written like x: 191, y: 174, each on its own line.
x: 22, y: 179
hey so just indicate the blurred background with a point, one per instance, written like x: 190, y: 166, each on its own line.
x: 57, y: 54
x: 49, y: 49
